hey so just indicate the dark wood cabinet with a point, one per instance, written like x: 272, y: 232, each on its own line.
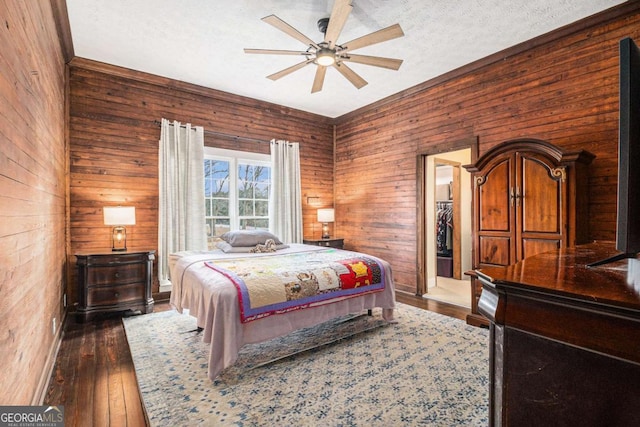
x: 114, y: 281
x: 564, y: 339
x: 331, y: 243
x: 529, y: 197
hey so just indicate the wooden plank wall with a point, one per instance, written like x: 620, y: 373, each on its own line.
x: 114, y: 146
x: 33, y: 162
x: 563, y: 90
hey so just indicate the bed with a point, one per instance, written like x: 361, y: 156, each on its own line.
x: 205, y: 285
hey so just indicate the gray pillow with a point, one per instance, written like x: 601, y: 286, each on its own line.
x: 227, y: 248
x: 248, y: 238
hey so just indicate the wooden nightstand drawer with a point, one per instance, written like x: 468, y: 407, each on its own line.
x: 112, y: 281
x: 125, y: 273
x: 329, y: 243
x: 112, y: 295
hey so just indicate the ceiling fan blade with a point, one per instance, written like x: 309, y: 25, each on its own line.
x: 351, y: 75
x: 339, y: 14
x: 276, y: 52
x: 318, y: 81
x: 376, y: 61
x: 289, y: 70
x: 389, y: 33
x: 288, y: 29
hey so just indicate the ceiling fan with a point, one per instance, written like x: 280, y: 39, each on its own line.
x: 328, y: 52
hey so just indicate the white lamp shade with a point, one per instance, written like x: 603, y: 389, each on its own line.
x: 119, y: 215
x: 326, y: 215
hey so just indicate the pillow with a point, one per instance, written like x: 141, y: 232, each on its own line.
x: 245, y: 238
x: 227, y: 248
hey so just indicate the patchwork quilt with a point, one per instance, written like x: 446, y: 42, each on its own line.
x: 272, y: 285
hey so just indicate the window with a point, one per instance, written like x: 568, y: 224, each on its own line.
x: 237, y: 186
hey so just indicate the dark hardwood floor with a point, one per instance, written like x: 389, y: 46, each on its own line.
x: 94, y: 378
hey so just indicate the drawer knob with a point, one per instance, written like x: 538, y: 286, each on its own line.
x: 117, y: 275
x: 117, y: 294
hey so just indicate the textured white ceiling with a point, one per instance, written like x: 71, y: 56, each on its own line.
x: 202, y: 41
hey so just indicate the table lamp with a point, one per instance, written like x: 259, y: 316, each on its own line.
x: 325, y: 216
x: 119, y: 216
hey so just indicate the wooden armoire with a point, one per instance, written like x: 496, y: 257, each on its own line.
x: 529, y: 196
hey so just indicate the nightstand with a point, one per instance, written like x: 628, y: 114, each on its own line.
x: 330, y: 243
x: 114, y: 281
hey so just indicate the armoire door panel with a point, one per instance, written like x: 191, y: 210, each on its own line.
x: 495, y: 250
x: 529, y: 197
x: 532, y: 247
x: 540, y: 198
x: 494, y: 198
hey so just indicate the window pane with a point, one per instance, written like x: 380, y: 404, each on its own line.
x: 254, y: 224
x: 221, y: 188
x: 245, y: 172
x: 245, y: 208
x: 245, y: 189
x: 216, y: 228
x: 209, y: 229
x: 220, y: 207
x: 207, y: 178
x: 262, y: 191
x: 262, y: 208
x: 216, y: 169
x: 236, y: 194
x: 262, y: 174
x: 221, y: 226
x: 221, y: 171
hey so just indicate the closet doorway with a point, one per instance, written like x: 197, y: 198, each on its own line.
x: 445, y: 213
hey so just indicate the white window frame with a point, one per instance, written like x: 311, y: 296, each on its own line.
x: 234, y: 158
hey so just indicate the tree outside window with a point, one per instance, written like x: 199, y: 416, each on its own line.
x: 217, y: 197
x: 236, y: 195
x: 253, y: 196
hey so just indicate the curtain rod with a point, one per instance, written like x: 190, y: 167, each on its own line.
x: 221, y: 134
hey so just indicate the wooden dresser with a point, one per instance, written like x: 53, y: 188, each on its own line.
x: 564, y: 340
x: 114, y: 281
x: 529, y: 197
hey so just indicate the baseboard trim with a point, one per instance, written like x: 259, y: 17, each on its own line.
x: 43, y: 383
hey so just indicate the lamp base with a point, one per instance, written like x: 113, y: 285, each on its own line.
x: 325, y: 230
x: 119, y: 239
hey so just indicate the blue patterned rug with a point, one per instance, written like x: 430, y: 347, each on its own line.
x: 427, y: 370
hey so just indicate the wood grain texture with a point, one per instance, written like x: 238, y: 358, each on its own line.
x: 563, y: 89
x: 114, y: 135
x: 94, y: 377
x: 32, y: 197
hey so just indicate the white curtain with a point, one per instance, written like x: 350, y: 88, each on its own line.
x: 181, y: 224
x: 286, y: 199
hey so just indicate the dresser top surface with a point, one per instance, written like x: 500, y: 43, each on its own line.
x: 109, y: 252
x: 564, y: 273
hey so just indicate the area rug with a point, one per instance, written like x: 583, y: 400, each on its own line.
x: 427, y: 369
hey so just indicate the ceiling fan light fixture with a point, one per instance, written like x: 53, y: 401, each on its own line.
x: 326, y: 57
x: 329, y: 52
